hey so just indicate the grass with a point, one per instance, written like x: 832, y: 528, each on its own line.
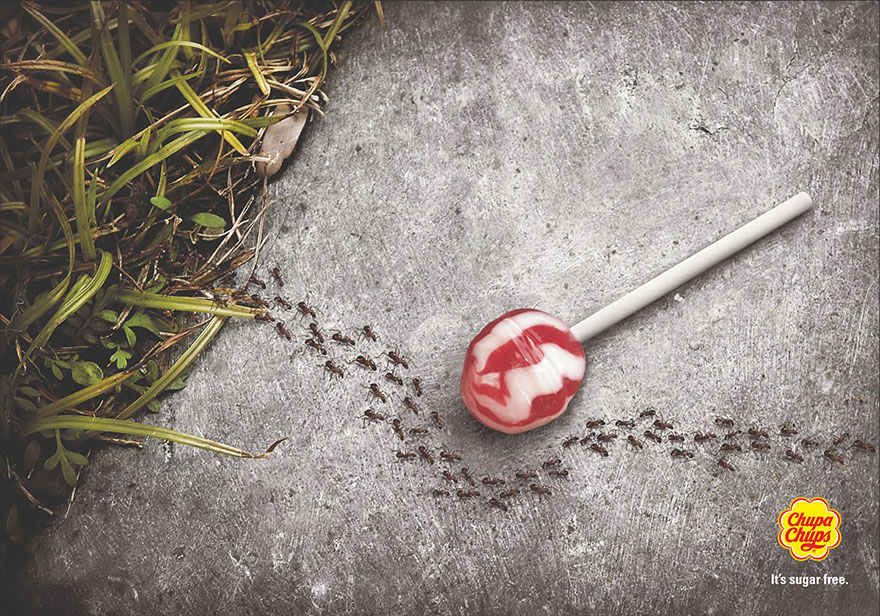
x: 128, y: 199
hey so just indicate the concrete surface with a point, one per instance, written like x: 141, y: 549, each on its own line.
x: 476, y: 158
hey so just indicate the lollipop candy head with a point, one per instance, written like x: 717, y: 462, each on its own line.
x: 521, y: 371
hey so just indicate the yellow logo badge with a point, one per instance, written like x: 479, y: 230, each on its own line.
x: 809, y: 529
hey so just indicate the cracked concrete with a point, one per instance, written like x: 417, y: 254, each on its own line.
x: 481, y: 157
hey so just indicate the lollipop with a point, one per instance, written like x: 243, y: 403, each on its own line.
x: 523, y: 368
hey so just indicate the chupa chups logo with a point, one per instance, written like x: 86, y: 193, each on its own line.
x: 809, y: 529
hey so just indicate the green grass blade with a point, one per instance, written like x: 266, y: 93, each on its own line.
x: 85, y: 394
x: 124, y: 103
x: 187, y: 304
x: 71, y: 48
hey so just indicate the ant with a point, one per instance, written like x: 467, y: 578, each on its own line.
x: 449, y: 456
x: 662, y: 425
x: 624, y: 423
x: 731, y: 435
x: 366, y: 362
x: 493, y: 481
x: 411, y: 404
x: 808, y: 442
x: 338, y: 337
x: 793, y: 456
x: 757, y: 446
x: 259, y: 301
x: 755, y: 433
x: 450, y: 477
x: 276, y: 274
x: 253, y: 280
x: 832, y: 457
x: 570, y: 441
x: 390, y: 376
x: 648, y: 413
x: 395, y: 424
x: 540, y: 490
x: 417, y: 386
x: 283, y: 330
x: 304, y: 310
x: 509, y: 493
x: 594, y: 423
x: 317, y: 346
x: 526, y: 475
x: 436, y: 417
x: 558, y: 473
x: 552, y: 463
x: 333, y: 369
x: 396, y: 359
x: 282, y: 302
x: 367, y: 332
x: 724, y: 421
x: 729, y: 447
x: 606, y: 438
x: 864, y: 446
x: 653, y: 437
x: 700, y: 437
x: 466, y: 473
x: 417, y: 431
x: 497, y: 503
x: 681, y: 453
x: 635, y: 442
x: 403, y: 455
x: 676, y: 438
x: 787, y: 430
x: 587, y: 438
x: 316, y: 332
x: 840, y: 439
x: 371, y: 415
x: 268, y: 318
x: 725, y: 464
x: 467, y: 493
x: 425, y: 454
x: 599, y: 449
x: 441, y: 493
x: 378, y: 393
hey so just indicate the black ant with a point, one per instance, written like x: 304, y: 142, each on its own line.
x: 526, y: 475
x: 417, y: 386
x: 411, y: 405
x: 282, y: 302
x: 725, y: 464
x: 758, y: 446
x: 283, y: 330
x: 367, y: 332
x: 755, y: 433
x: 493, y: 481
x: 700, y: 437
x: 317, y: 346
x: 425, y: 454
x: 808, y: 442
x: 832, y: 457
x: 662, y: 425
x: 552, y: 463
x: 636, y: 443
x: 654, y: 437
x: 403, y: 455
x: 594, y: 423
x: 648, y: 413
x: 599, y: 449
x: 253, y: 280
x: 268, y: 318
x: 396, y: 359
x: 276, y: 274
x: 840, y: 439
x: 540, y: 490
x: 497, y: 503
x: 723, y: 421
x: 390, y: 376
x: 587, y: 438
x: 467, y: 493
x: 731, y: 435
x: 558, y: 473
x: 437, y: 421
x: 371, y: 415
x: 787, y: 430
x: 316, y: 332
x: 572, y: 440
x: 466, y: 473
x: 677, y: 438
x: 864, y: 446
x: 333, y: 369
x: 417, y: 431
x: 624, y: 423
x: 449, y: 456
x: 398, y: 430
x: 378, y: 393
x: 509, y: 493
x: 730, y: 447
x: 681, y: 453
x: 338, y: 337
x: 606, y: 438
x: 259, y: 301
x: 305, y: 310
x: 439, y: 492
x: 450, y: 477
x: 793, y: 456
x: 366, y: 362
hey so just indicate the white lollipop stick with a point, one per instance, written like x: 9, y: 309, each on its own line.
x: 694, y: 265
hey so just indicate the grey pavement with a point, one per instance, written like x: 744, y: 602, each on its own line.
x: 477, y: 158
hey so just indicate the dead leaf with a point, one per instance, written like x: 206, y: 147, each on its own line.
x: 280, y: 139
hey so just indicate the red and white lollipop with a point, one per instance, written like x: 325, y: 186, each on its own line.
x: 523, y: 368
